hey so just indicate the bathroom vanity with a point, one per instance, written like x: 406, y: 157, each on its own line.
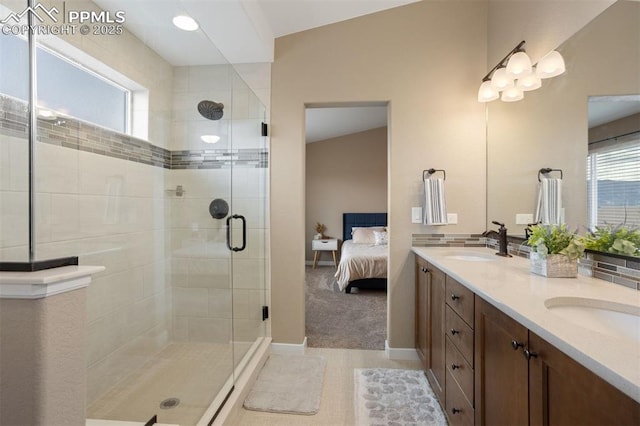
x: 500, y: 345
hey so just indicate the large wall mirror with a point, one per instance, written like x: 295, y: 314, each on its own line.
x: 550, y: 127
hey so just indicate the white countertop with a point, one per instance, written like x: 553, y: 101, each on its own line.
x: 508, y: 284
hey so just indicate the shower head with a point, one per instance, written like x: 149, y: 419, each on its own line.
x: 210, y: 110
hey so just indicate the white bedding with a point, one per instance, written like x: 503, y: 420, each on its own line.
x: 359, y: 261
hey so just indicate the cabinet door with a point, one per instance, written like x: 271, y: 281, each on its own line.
x: 563, y: 392
x: 422, y: 304
x: 437, y: 369
x: 501, y: 370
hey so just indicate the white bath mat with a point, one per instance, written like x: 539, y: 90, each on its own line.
x: 386, y: 396
x: 288, y: 384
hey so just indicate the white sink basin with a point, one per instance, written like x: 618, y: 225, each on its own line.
x: 611, y: 318
x: 472, y: 257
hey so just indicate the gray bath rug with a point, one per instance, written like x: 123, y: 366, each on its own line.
x: 288, y: 384
x: 394, y: 397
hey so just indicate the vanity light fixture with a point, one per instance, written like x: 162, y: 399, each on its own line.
x: 550, y: 65
x: 512, y: 94
x: 514, y: 75
x: 186, y: 23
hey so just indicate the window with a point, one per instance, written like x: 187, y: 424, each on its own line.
x: 64, y: 86
x: 613, y: 182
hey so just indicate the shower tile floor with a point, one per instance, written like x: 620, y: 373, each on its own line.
x: 191, y: 372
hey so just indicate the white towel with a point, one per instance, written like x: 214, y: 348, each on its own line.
x: 435, y: 210
x: 549, y: 207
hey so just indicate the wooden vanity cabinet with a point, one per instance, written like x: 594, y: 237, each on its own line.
x: 437, y: 370
x: 520, y: 379
x: 422, y: 303
x: 501, y: 371
x: 459, y: 325
x: 430, y: 340
x: 562, y: 392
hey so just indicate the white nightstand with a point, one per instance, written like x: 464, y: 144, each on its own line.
x: 324, y: 245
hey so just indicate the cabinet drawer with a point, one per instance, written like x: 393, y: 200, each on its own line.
x: 460, y: 298
x: 459, y: 411
x: 324, y: 244
x: 460, y: 333
x: 461, y: 371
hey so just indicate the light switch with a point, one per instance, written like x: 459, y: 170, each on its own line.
x: 452, y: 218
x: 524, y: 218
x: 416, y: 214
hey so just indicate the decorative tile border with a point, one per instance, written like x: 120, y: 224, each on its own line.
x: 616, y: 270
x: 448, y: 240
x: 75, y: 134
x: 613, y: 269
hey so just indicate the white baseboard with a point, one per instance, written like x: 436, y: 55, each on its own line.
x: 409, y: 354
x: 289, y: 348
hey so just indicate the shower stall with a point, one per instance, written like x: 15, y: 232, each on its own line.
x: 155, y: 167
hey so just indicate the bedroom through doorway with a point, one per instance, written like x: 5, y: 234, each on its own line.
x: 346, y: 189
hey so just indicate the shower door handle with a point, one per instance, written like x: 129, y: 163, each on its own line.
x: 244, y: 232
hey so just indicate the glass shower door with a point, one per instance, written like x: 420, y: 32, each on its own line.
x: 250, y: 194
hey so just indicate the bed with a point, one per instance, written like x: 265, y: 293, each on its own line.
x: 363, y: 263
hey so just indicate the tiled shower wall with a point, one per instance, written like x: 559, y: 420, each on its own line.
x: 107, y: 210
x: 108, y: 198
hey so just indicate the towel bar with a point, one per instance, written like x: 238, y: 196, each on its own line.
x: 546, y: 170
x: 429, y: 172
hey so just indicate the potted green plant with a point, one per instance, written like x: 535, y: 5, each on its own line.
x: 614, y: 239
x: 554, y: 251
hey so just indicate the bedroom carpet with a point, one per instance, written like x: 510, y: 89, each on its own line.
x: 386, y: 396
x: 335, y: 319
x: 289, y: 384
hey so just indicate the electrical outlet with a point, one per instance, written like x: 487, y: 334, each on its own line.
x: 524, y: 218
x: 416, y: 214
x: 452, y: 218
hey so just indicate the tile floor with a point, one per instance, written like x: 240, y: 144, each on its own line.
x: 337, y: 405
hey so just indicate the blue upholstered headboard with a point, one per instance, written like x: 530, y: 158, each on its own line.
x: 349, y: 220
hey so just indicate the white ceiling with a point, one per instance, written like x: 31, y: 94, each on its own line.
x: 235, y: 31
x: 243, y: 31
x: 603, y: 109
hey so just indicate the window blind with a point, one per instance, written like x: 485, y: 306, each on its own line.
x: 613, y: 182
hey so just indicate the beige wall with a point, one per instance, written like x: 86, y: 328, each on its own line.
x: 426, y: 59
x: 615, y: 128
x: 344, y: 174
x: 543, y: 24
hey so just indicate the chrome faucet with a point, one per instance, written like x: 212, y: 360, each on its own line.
x: 502, y: 240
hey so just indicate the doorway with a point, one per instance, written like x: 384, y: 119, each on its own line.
x: 346, y: 172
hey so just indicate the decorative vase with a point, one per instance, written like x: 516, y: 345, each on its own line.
x: 318, y: 236
x: 553, y: 265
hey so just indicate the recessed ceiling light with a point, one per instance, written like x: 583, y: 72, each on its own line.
x: 185, y: 22
x: 210, y: 138
x: 46, y: 114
